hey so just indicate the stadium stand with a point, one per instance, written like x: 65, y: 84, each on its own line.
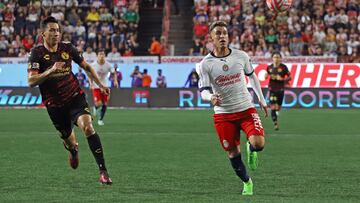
x: 311, y: 28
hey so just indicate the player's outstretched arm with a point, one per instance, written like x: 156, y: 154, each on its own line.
x: 94, y: 77
x: 255, y: 84
x: 35, y: 78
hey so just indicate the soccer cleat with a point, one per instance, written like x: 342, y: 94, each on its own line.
x: 101, y: 122
x: 276, y: 127
x: 248, y: 188
x: 73, y: 155
x: 252, y: 158
x: 104, y: 178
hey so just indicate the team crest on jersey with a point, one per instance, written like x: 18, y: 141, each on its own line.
x: 65, y: 56
x: 35, y: 66
x: 225, y: 67
x: 47, y: 57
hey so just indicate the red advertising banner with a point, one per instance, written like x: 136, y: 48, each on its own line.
x: 334, y: 75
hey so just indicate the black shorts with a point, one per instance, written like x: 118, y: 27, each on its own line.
x: 64, y: 118
x: 276, y: 97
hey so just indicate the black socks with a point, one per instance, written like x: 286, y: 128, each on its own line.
x: 96, y: 149
x: 102, y: 113
x: 274, y: 116
x: 239, y: 168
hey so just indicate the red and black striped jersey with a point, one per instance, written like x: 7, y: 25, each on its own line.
x: 277, y: 75
x: 62, y: 86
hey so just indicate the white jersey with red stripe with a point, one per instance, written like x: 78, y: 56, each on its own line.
x: 226, y: 77
x: 102, y: 71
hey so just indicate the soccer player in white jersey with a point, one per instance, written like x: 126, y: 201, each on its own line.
x: 222, y: 81
x: 103, y: 69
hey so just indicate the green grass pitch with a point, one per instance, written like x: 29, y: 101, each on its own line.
x: 175, y: 156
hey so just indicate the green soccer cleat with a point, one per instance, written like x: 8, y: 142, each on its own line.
x: 248, y: 188
x: 252, y: 158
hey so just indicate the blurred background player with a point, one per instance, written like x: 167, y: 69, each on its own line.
x: 279, y: 76
x: 222, y: 81
x: 50, y: 68
x: 103, y: 69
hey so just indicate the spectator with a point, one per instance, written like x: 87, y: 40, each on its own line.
x: 113, y: 55
x: 163, y: 46
x: 146, y: 79
x: 131, y: 16
x: 196, y: 49
x: 92, y: 16
x: 155, y: 47
x: 28, y: 42
x: 192, y: 80
x: 89, y: 55
x: 119, y: 77
x: 160, y: 79
x: 136, y: 78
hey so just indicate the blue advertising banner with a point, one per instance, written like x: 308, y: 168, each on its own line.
x: 323, y: 98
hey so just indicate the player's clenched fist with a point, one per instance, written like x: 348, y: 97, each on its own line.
x: 215, y: 100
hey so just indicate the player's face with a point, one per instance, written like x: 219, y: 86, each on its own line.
x: 101, y: 57
x: 220, y: 37
x: 276, y: 58
x: 52, y: 34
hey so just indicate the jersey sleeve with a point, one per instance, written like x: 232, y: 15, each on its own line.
x: 248, y: 68
x: 76, y: 55
x: 204, y: 78
x: 268, y: 69
x: 286, y: 70
x: 33, y: 62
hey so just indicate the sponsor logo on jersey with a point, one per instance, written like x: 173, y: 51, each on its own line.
x: 225, y: 67
x: 225, y: 143
x: 223, y: 80
x: 64, y: 55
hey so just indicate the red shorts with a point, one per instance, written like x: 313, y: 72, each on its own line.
x: 228, y: 126
x: 99, y: 96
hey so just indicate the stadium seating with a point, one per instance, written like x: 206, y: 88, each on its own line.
x: 310, y: 28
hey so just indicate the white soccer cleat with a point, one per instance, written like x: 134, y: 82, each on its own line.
x: 100, y: 122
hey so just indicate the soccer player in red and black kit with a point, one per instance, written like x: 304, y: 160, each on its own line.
x: 50, y: 68
x: 279, y: 76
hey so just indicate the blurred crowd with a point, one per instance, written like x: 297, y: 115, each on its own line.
x: 89, y: 24
x: 309, y: 28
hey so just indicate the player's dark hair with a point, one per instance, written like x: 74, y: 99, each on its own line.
x: 276, y: 53
x: 46, y: 21
x: 215, y: 24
